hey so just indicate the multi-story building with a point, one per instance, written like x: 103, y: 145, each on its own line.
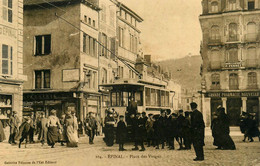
x: 61, y: 56
x: 107, y: 57
x: 231, y: 57
x: 11, y: 57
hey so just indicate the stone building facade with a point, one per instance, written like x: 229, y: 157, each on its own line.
x: 231, y: 57
x: 11, y: 57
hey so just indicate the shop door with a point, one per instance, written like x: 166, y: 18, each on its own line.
x: 252, y: 107
x: 233, y: 110
x: 214, y: 105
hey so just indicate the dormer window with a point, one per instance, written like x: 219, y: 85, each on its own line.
x: 214, y: 7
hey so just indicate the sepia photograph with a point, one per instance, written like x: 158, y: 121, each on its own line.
x: 129, y: 82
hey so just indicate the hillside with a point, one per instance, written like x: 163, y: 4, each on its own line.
x: 185, y: 71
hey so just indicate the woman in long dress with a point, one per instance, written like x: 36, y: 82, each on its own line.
x: 71, y: 130
x: 53, y: 126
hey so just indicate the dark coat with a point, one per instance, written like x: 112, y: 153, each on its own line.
x: 139, y: 129
x: 197, y: 128
x: 23, y: 130
x: 162, y: 127
x: 180, y: 121
x: 121, y: 132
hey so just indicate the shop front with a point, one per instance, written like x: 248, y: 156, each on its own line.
x: 235, y: 103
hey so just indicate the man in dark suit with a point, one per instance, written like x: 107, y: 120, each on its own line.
x: 198, y: 132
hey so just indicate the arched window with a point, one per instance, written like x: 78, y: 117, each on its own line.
x: 233, y: 32
x: 233, y: 81
x: 214, y: 7
x: 215, y: 35
x: 232, y: 55
x: 252, y: 80
x: 232, y: 4
x: 103, y: 76
x: 251, y: 31
x: 215, y: 81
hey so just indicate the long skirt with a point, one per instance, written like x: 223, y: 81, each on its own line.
x: 52, y: 135
x: 227, y: 142
x: 72, y: 136
x: 109, y: 136
x: 62, y: 135
x: 2, y: 133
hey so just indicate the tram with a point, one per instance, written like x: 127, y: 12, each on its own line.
x: 150, y: 97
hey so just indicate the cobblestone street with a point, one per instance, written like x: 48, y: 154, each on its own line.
x: 99, y: 154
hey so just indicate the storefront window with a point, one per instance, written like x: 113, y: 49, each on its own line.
x: 6, y: 105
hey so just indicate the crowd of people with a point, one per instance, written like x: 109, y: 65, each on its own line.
x: 50, y: 130
x: 152, y: 130
x: 159, y: 130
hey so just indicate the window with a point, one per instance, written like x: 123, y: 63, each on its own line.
x: 89, y: 45
x: 126, y: 15
x: 120, y: 71
x: 90, y: 79
x: 104, y: 42
x: 42, y: 79
x: 215, y: 81
x: 163, y: 98
x: 112, y: 18
x: 233, y: 81
x: 94, y: 23
x: 104, y: 76
x: 85, y: 18
x: 215, y: 35
x: 89, y: 21
x: 252, y: 80
x: 158, y: 98
x: 42, y: 45
x: 214, y: 7
x: 148, y: 96
x: 232, y: 56
x: 251, y: 4
x: 153, y: 97
x: 233, y: 32
x: 251, y: 32
x: 251, y: 53
x: 167, y: 99
x: 232, y: 4
x: 121, y: 36
x: 215, y: 59
x: 8, y: 10
x: 7, y: 60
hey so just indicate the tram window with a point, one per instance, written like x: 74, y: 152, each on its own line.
x: 148, y: 96
x: 162, y: 98
x: 158, y: 97
x: 113, y: 99
x: 153, y: 97
x: 139, y: 98
x: 167, y: 99
x: 125, y: 99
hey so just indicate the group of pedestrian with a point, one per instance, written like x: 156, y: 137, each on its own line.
x: 220, y: 130
x: 248, y: 126
x: 163, y: 129
x: 49, y: 129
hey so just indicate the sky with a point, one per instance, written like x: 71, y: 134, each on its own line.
x: 171, y: 28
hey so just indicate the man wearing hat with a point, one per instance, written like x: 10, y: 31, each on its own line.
x: 180, y: 121
x: 150, y: 130
x: 163, y: 130
x: 198, y: 131
x: 91, y: 124
x: 14, y: 126
x: 139, y: 129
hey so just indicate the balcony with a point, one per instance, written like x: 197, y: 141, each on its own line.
x: 233, y: 38
x: 252, y: 63
x: 251, y: 37
x: 214, y: 40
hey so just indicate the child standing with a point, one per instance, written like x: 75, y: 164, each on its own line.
x: 121, y: 133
